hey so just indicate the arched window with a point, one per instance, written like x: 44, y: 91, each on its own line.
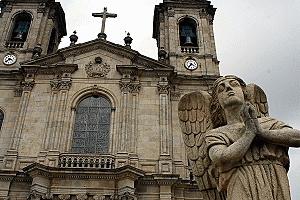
x: 52, y: 41
x: 92, y: 125
x: 188, y: 33
x: 1, y: 118
x: 21, y: 27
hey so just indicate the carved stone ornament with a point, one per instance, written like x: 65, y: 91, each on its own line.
x: 97, y: 70
x: 64, y: 197
x: 57, y: 85
x: 7, y: 8
x: 42, y: 8
x: 81, y: 197
x: 126, y: 196
x: 102, y: 197
x: 18, y: 91
x: 163, y: 89
x: 135, y: 87
x: 27, y: 85
x: 129, y: 87
x: 47, y: 196
x: 34, y: 196
x: 175, y: 96
x: 65, y: 84
x: 125, y: 86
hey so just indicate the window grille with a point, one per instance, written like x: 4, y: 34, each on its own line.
x: 92, y: 126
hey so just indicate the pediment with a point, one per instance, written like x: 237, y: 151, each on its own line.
x: 66, y: 56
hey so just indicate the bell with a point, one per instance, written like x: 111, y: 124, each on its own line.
x: 19, y: 36
x: 188, y: 41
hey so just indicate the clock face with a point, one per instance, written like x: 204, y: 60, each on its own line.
x: 191, y: 64
x: 9, y: 59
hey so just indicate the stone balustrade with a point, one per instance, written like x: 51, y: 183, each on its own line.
x: 190, y: 49
x: 69, y: 160
x: 14, y: 45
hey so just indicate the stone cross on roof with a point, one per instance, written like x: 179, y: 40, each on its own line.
x: 104, y: 15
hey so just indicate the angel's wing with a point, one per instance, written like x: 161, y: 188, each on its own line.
x: 195, y: 121
x: 258, y: 98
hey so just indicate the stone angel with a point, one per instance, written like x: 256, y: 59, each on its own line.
x: 235, y: 149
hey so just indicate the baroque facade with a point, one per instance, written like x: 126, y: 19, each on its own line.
x: 98, y: 120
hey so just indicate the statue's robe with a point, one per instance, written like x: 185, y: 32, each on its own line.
x: 261, y: 174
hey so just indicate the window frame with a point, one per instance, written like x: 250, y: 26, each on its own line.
x: 66, y: 143
x: 13, y: 23
x: 195, y: 25
x: 100, y: 108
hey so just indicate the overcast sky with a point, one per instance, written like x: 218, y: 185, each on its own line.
x: 257, y: 40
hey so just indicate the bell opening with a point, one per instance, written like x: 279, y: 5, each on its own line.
x: 188, y: 33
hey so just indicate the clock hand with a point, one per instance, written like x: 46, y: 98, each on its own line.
x: 8, y: 59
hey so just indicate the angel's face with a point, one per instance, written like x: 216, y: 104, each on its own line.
x: 230, y: 93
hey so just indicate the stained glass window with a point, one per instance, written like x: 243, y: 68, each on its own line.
x: 1, y: 118
x: 92, y: 126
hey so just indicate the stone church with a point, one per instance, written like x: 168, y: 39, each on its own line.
x: 98, y: 120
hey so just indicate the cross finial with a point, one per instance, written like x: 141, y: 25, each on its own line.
x: 104, y: 15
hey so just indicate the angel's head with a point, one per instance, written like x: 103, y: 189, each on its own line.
x: 227, y: 91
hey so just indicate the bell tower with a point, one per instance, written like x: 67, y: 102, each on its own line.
x: 184, y: 33
x: 29, y: 29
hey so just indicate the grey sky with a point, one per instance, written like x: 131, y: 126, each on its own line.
x: 257, y: 40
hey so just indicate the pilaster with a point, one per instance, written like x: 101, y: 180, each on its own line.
x: 130, y: 87
x: 165, y: 186
x: 27, y: 86
x: 165, y: 160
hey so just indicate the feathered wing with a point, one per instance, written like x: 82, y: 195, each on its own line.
x: 195, y: 121
x: 258, y: 98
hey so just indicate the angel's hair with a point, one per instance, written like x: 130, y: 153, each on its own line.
x: 217, y: 112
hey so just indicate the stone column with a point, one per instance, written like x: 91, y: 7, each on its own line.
x: 165, y: 161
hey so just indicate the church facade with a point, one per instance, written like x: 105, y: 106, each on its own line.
x: 98, y: 120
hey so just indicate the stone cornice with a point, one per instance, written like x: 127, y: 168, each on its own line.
x: 10, y: 74
x: 159, y: 179
x: 144, y: 71
x: 14, y: 175
x: 37, y: 169
x: 52, y: 69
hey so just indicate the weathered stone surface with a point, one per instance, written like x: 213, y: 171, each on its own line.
x: 40, y: 98
x: 231, y: 134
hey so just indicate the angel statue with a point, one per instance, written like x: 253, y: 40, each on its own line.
x: 236, y: 151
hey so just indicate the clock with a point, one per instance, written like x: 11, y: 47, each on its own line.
x: 9, y: 59
x: 191, y: 64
